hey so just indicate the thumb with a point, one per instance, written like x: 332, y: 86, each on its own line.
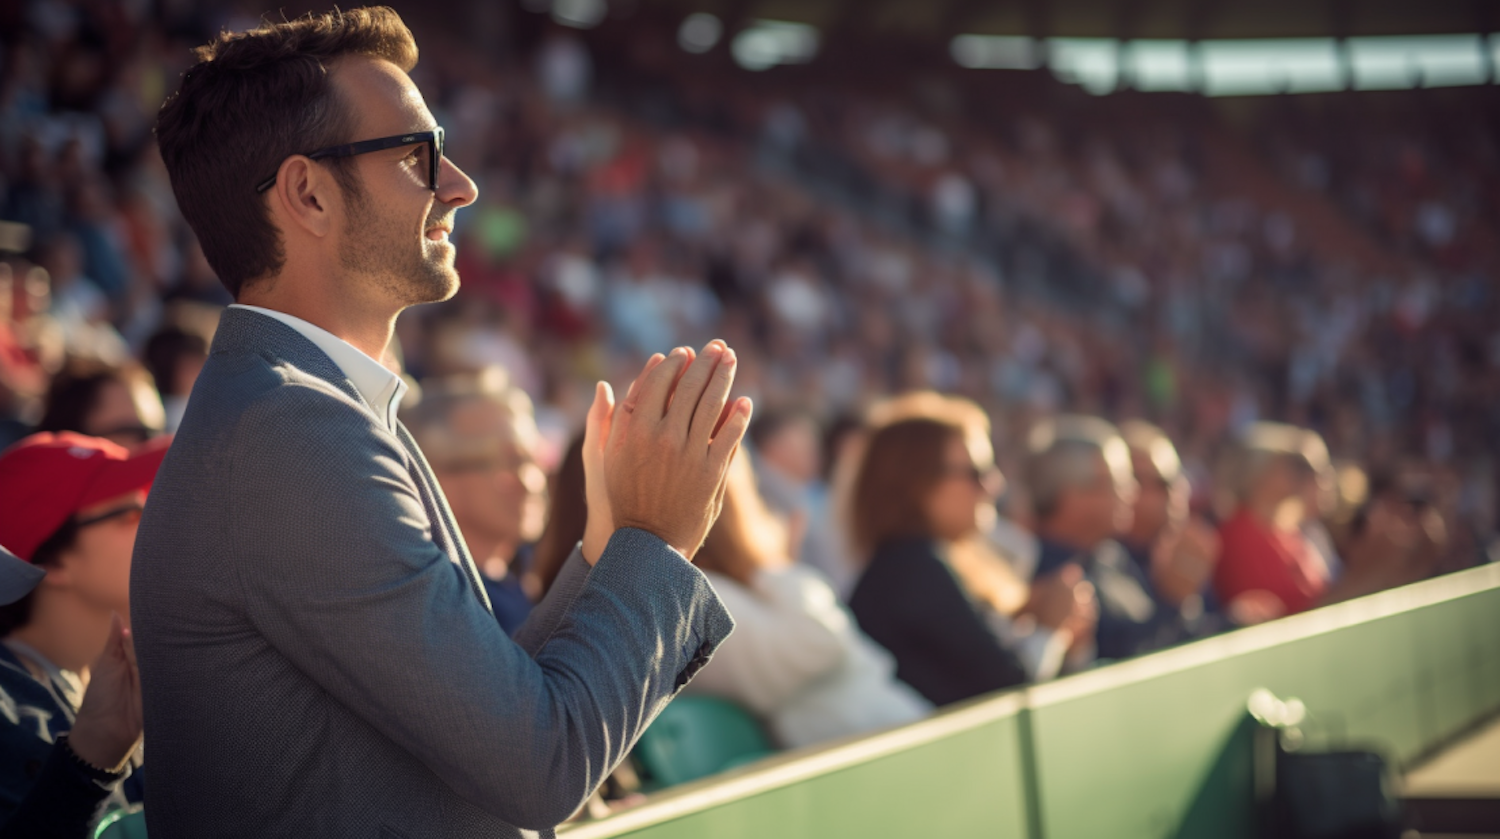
x: 600, y: 418
x: 114, y: 645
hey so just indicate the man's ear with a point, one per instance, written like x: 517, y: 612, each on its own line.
x: 303, y: 196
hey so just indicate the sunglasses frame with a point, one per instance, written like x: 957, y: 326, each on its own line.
x: 125, y: 509
x: 434, y: 140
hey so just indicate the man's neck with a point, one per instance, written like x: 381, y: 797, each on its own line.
x: 70, y: 634
x: 366, y: 326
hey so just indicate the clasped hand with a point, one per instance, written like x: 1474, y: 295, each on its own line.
x: 657, y: 461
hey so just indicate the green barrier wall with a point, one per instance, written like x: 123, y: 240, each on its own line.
x: 1155, y: 747
x: 957, y: 774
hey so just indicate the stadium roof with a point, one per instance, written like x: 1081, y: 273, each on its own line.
x: 1124, y: 19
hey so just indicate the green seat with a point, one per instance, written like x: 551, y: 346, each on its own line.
x: 698, y: 736
x: 122, y: 824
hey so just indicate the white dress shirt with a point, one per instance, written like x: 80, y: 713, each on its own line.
x: 381, y: 389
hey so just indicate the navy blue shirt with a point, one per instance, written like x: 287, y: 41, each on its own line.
x: 1132, y: 618
x: 507, y: 598
x: 43, y: 790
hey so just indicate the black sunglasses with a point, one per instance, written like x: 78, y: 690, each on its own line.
x: 433, y: 139
x: 128, y: 509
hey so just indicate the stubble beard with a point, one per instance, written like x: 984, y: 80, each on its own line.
x: 379, y: 247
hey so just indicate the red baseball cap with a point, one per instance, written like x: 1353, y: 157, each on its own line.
x: 47, y: 478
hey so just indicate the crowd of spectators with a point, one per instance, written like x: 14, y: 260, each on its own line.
x: 943, y: 307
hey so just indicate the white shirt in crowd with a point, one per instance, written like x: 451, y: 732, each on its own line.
x: 798, y: 661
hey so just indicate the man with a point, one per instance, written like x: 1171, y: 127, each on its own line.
x: 317, y: 652
x: 70, y: 708
x: 1083, y: 491
x: 1269, y: 567
x: 480, y: 436
x: 1175, y: 549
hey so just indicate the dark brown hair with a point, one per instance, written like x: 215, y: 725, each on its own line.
x: 902, y: 464
x: 253, y: 99
x: 747, y: 536
x: 567, y: 516
x: 74, y: 394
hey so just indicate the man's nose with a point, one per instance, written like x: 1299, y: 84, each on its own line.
x: 455, y: 188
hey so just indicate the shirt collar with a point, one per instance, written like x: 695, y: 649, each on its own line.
x: 381, y: 389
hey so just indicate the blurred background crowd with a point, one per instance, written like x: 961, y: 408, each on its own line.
x: 1043, y: 379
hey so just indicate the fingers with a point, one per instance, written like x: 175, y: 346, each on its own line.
x: 601, y: 415
x: 708, y: 415
x: 635, y: 386
x: 728, y: 439
x: 690, y: 391
x: 650, y: 399
x: 692, y: 356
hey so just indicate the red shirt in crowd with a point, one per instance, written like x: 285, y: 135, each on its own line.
x: 1257, y: 556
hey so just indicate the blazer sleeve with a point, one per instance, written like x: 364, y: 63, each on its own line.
x: 333, y: 553
x: 780, y: 644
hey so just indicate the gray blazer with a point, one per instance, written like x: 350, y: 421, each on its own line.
x: 317, y: 653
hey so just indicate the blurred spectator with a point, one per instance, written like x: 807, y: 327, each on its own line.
x: 1083, y: 492
x: 788, y: 460
x: 1269, y: 568
x: 116, y: 402
x: 174, y: 356
x: 567, y: 515
x: 1267, y: 558
x: 928, y: 593
x: 79, y: 306
x: 479, y: 435
x: 797, y: 660
x: 1177, y: 550
x: 67, y: 668
x: 826, y: 547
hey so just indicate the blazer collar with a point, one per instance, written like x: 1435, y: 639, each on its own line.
x: 245, y: 332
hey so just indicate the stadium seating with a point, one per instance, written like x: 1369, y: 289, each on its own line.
x: 698, y: 736
x: 1158, y: 746
x: 122, y: 824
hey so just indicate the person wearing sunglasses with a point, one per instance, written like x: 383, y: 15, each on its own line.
x: 118, y: 402
x: 953, y: 614
x: 311, y: 623
x: 69, y: 509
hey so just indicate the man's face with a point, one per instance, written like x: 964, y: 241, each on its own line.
x: 1104, y: 506
x: 396, y: 229
x: 491, y: 477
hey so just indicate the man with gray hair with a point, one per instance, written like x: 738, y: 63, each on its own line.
x: 1269, y: 568
x: 1083, y: 491
x: 480, y: 436
x: 1176, y: 549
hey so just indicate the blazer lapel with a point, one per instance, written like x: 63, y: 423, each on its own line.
x: 245, y: 331
x: 441, y: 515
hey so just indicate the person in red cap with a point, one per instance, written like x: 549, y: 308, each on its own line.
x: 69, y: 509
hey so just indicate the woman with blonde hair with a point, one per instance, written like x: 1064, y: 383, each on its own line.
x: 932, y: 592
x: 796, y: 659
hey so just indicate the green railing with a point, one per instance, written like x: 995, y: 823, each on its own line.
x: 1155, y: 748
